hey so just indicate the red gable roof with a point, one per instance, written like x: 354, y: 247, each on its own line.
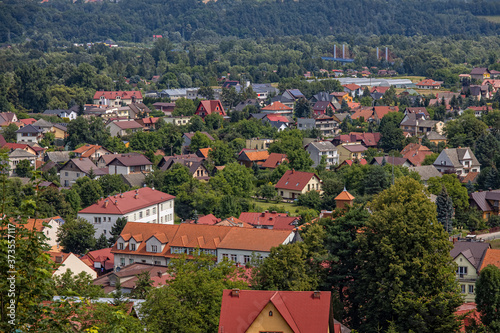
x: 381, y: 111
x: 301, y: 310
x: 295, y: 180
x: 381, y: 90
x: 276, y: 106
x: 351, y: 86
x: 121, y: 94
x: 415, y: 153
x: 127, y: 202
x: 274, y: 160
x: 279, y: 221
x: 277, y: 117
x: 428, y: 83
x: 207, y: 107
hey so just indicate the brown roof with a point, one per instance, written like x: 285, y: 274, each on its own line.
x: 84, y: 164
x: 130, y: 160
x: 127, y: 124
x: 295, y: 180
x: 274, y: 160
x: 355, y: 148
x: 470, y: 177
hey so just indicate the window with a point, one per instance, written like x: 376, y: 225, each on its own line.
x: 140, y: 215
x: 132, y: 247
x: 122, y: 261
x: 234, y: 257
x: 154, y: 248
x: 154, y: 210
x: 135, y: 216
x: 471, y: 289
x: 225, y: 256
x: 157, y: 262
x: 147, y: 212
x: 77, y: 174
x: 246, y: 259
x: 462, y: 286
x: 131, y: 261
x: 120, y: 246
x: 462, y: 271
x: 104, y: 232
x: 66, y: 174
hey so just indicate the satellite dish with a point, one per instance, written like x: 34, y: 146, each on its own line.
x: 118, y: 269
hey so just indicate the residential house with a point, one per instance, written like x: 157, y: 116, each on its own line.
x: 351, y: 151
x: 60, y: 131
x: 166, y: 108
x: 125, y: 164
x: 363, y: 114
x: 480, y: 73
x: 94, y: 152
x: 379, y: 89
x: 158, y: 243
x: 270, y: 220
x: 425, y: 172
x: 187, y: 139
x: 48, y: 226
x: 134, y: 180
x: 234, y: 222
x: 323, y: 108
x: 353, y: 89
x: 415, y: 153
x: 127, y: 277
x: 101, y: 261
x: 278, y: 121
x: 429, y: 84
x: 277, y: 108
x: 195, y: 166
x: 189, y: 157
x: 70, y: 114
x: 250, y: 157
x: 148, y: 123
x: 293, y: 94
x: 416, y: 125
x: 492, y: 257
x: 24, y: 122
x: 274, y: 160
x: 327, y: 126
x: 137, y: 110
x: 487, y: 202
x: 17, y: 156
x: 342, y: 96
x: 468, y: 255
x: 178, y: 120
x: 380, y: 112
x: 258, y: 143
x: 479, y: 91
x: 29, y: 133
x: 369, y: 140
x: 478, y: 110
x: 117, y: 98
x: 435, y: 137
x: 207, y: 107
x: 144, y: 205
x: 351, y: 162
x: 264, y: 90
x: 7, y: 118
x: 382, y: 160
x: 421, y: 111
x: 457, y: 160
x: 68, y: 261
x: 44, y: 125
x: 78, y: 168
x: 259, y: 311
x: 203, y: 153
x: 295, y: 183
x: 305, y: 124
x: 123, y: 127
x: 323, y: 148
x: 59, y: 157
x: 289, y: 102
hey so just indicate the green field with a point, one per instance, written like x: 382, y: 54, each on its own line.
x: 495, y: 243
x: 494, y: 19
x: 291, y: 208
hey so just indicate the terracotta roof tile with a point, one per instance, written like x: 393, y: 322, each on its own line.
x: 274, y: 160
x: 121, y: 94
x: 492, y: 257
x: 295, y: 180
x: 344, y: 195
x: 260, y: 155
x: 276, y: 106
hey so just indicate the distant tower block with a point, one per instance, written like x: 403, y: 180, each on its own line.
x: 343, y: 199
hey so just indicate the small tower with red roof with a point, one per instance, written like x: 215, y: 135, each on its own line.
x: 343, y: 199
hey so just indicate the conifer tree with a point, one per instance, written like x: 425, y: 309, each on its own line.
x: 444, y: 206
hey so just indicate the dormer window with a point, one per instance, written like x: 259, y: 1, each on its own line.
x: 132, y: 247
x: 120, y: 246
x: 154, y: 248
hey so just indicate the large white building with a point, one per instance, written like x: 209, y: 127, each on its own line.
x: 144, y: 205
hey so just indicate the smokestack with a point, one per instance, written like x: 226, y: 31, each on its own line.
x: 334, y: 51
x: 343, y: 51
x: 387, y: 54
x: 377, y: 53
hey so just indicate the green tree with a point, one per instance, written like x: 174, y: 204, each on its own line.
x: 488, y: 297
x: 464, y: 131
x: 91, y: 131
x: 454, y: 188
x: 116, y: 230
x: 191, y: 302
x: 267, y: 191
x: 302, y: 108
x: 76, y: 236
x: 391, y: 136
x: 376, y: 180
x: 486, y: 150
x: 184, y: 107
x: 199, y: 140
x: 430, y: 159
x: 112, y: 184
x: 89, y: 191
x: 221, y: 153
x: 311, y: 199
x: 143, y: 285
x: 81, y: 285
x: 444, y: 206
x: 402, y: 250
x: 206, y: 92
x: 9, y: 132
x: 24, y: 169
x: 228, y: 206
x: 213, y: 121
x: 234, y: 179
x: 101, y: 243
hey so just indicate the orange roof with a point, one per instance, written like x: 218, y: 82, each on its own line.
x: 345, y: 196
x: 276, y: 106
x: 254, y: 239
x: 86, y: 150
x: 274, y: 160
x: 381, y: 111
x: 351, y: 86
x: 492, y: 257
x: 353, y: 105
x: 204, y: 151
x: 428, y: 82
x: 121, y: 94
x: 415, y: 153
x: 261, y: 155
x: 365, y: 113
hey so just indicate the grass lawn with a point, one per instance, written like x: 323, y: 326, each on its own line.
x: 291, y: 208
x: 494, y: 19
x: 414, y: 79
x: 495, y: 243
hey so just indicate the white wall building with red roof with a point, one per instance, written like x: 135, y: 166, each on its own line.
x: 144, y: 205
x: 116, y: 98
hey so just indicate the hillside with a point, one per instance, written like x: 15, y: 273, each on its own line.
x: 138, y: 20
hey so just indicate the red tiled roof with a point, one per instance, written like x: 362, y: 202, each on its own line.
x: 272, y: 219
x: 210, y: 106
x: 295, y: 180
x: 209, y: 219
x: 253, y: 239
x: 381, y: 111
x: 274, y: 160
x: 428, y: 83
x: 28, y: 121
x: 492, y: 257
x: 277, y: 117
x: 415, y: 153
x: 277, y: 106
x: 121, y: 94
x: 127, y: 202
x: 381, y: 90
x: 345, y: 196
x: 255, y: 156
x: 365, y: 113
x: 300, y: 309
x: 351, y: 86
x: 204, y: 151
x: 470, y: 177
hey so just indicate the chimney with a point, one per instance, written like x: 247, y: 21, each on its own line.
x: 116, y: 202
x: 106, y: 203
x: 343, y: 51
x: 266, y: 211
x: 235, y: 293
x: 121, y: 195
x: 59, y: 259
x: 316, y: 294
x: 274, y: 212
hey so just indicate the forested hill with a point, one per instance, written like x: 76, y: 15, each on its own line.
x: 138, y: 20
